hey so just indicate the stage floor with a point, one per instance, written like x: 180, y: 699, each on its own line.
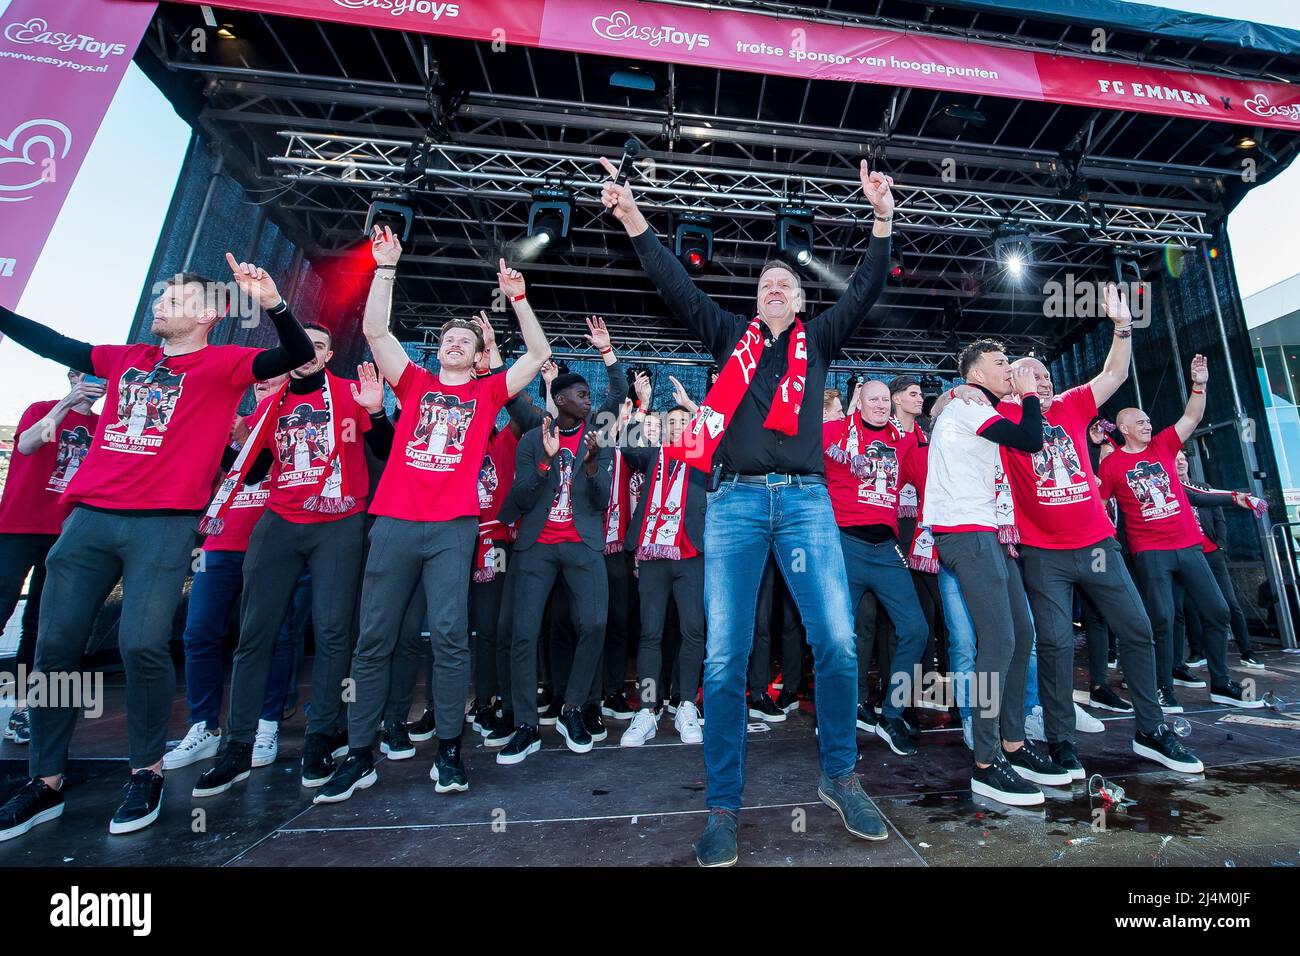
x: 616, y: 807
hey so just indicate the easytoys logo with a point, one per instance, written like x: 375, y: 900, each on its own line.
x: 619, y: 26
x: 433, y: 9
x: 37, y: 30
x: 1260, y: 106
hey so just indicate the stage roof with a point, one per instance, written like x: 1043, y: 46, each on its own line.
x: 319, y: 118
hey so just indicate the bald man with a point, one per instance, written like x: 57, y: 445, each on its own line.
x: 1165, y: 541
x: 1067, y: 540
x: 864, y: 455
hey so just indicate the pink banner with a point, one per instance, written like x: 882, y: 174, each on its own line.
x: 738, y: 40
x: 60, y: 64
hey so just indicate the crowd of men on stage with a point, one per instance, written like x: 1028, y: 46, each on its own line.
x: 436, y: 541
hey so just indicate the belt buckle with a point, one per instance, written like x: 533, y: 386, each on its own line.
x: 781, y: 480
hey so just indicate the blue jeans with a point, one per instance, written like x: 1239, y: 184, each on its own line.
x: 880, y: 569
x: 215, y: 591
x: 961, y: 646
x: 795, y: 523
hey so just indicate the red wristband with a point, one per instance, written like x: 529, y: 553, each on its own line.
x: 1198, y: 391
x: 543, y: 466
x: 606, y: 351
x: 519, y: 298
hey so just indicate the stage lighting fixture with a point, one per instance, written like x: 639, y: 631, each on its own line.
x: 550, y: 216
x: 693, y: 240
x: 226, y: 32
x: 632, y: 80
x: 1012, y: 247
x: 896, y: 271
x: 1246, y: 142
x: 391, y: 210
x: 794, y: 233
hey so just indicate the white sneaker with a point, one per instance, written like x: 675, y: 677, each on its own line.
x: 643, y: 727
x: 1085, y: 723
x: 1034, y: 729
x: 198, y: 745
x: 266, y: 745
x: 687, y: 723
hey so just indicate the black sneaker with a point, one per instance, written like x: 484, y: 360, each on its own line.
x: 424, y: 728
x: 894, y: 732
x: 503, y: 733
x: 1196, y: 663
x: 999, y: 782
x: 34, y: 804
x: 866, y: 718
x: 1164, y: 747
x: 548, y: 716
x: 1234, y: 695
x: 524, y: 742
x: 19, y: 727
x: 544, y: 697
x: 395, y: 742
x: 1037, y: 767
x: 448, y: 771
x: 616, y: 706
x: 317, y: 760
x: 594, y: 723
x: 1168, y: 702
x: 1112, y: 663
x: 480, y: 718
x: 339, y: 744
x: 234, y: 763
x: 1066, y: 756
x: 787, y: 701
x: 1185, y: 678
x: 761, y: 708
x: 141, y: 805
x: 356, y: 772
x: 1251, y: 661
x: 574, y: 731
x: 1103, y: 698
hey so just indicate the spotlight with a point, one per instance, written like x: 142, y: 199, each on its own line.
x: 550, y: 216
x: 1246, y: 142
x: 391, y: 210
x: 693, y: 241
x: 896, y: 271
x: 1012, y: 247
x: 226, y: 32
x: 794, y: 233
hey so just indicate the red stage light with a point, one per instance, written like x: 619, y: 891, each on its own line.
x: 695, y: 258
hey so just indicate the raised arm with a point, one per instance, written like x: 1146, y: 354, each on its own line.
x: 1115, y: 372
x: 295, y: 347
x: 388, y: 352
x: 45, y: 342
x: 593, y: 462
x: 682, y: 397
x: 538, y: 350
x: 44, y: 429
x: 616, y: 391
x: 1200, y: 372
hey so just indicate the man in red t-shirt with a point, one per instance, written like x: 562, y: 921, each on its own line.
x: 427, y: 515
x: 138, y: 495
x: 1067, y: 540
x: 1165, y: 541
x: 51, y: 442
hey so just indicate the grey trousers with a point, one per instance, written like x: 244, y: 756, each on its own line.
x: 658, y: 581
x: 1099, y: 571
x: 404, y: 555
x: 1156, y: 572
x: 1004, y: 635
x: 152, y: 556
x: 409, y: 654
x: 278, y: 551
x: 535, y: 570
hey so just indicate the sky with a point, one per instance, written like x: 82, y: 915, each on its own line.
x: 88, y: 279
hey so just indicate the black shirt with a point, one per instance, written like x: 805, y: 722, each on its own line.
x: 747, y: 447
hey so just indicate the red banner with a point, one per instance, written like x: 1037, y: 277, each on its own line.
x: 738, y: 40
x: 60, y: 65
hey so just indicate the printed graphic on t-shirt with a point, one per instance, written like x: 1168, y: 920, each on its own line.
x: 302, y: 445
x: 877, y: 471
x: 73, y: 445
x: 1060, y: 476
x: 1149, y: 483
x: 562, y: 506
x: 440, y: 430
x: 252, y: 496
x: 146, y: 400
x: 635, y: 482
x: 487, y: 482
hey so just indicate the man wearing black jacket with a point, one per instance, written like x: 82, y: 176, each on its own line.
x: 138, y: 496
x: 772, y: 499
x: 561, y: 491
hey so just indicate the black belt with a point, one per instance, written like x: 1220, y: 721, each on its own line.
x: 775, y: 478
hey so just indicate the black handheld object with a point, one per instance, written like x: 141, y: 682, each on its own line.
x: 631, y: 149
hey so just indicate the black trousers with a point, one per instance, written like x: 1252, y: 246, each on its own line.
x: 490, y: 634
x: 618, y: 624
x: 659, y: 581
x: 760, y: 659
x: 1218, y: 562
x: 1157, y: 572
x: 21, y: 554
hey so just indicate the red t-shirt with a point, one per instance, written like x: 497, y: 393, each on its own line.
x: 1157, y: 514
x: 1056, y: 499
x: 913, y: 472
x: 300, y: 441
x: 559, y: 520
x: 33, y: 501
x: 441, y: 438
x: 497, y: 474
x: 166, y: 421
x: 246, y: 508
x: 870, y: 500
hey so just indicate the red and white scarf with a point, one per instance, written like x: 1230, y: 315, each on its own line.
x: 704, y: 432
x: 1005, y: 506
x: 665, y: 512
x: 491, y: 535
x: 617, y: 512
x: 330, y: 495
x: 923, y: 555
